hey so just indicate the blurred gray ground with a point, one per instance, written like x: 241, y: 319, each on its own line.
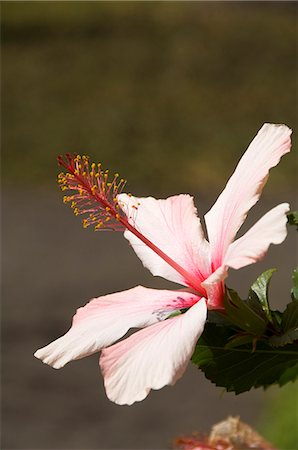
x: 51, y: 266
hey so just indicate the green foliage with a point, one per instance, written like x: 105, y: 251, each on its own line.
x: 237, y: 341
x: 248, y: 345
x: 258, y: 294
x: 242, y: 315
x: 294, y: 290
x: 290, y: 374
x: 293, y: 218
x: 288, y: 326
x: 239, y: 369
x: 279, y: 422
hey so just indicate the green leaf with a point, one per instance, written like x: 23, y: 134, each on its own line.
x: 290, y: 317
x: 294, y: 291
x: 290, y: 374
x: 284, y: 339
x: 239, y: 369
x: 288, y: 326
x: 293, y: 218
x: 238, y: 340
x: 277, y: 319
x: 258, y: 294
x: 239, y: 313
x: 218, y: 317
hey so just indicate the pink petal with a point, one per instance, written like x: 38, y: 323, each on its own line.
x: 252, y: 246
x: 106, y: 319
x: 215, y: 289
x: 152, y: 358
x: 244, y: 187
x: 173, y: 226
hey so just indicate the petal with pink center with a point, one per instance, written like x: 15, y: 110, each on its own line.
x: 152, y: 358
x: 106, y: 319
x: 215, y: 288
x: 244, y: 187
x: 253, y: 245
x: 173, y: 226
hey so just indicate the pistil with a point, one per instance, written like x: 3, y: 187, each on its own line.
x: 94, y: 195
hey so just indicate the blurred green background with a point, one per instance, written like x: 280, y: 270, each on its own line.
x: 169, y: 94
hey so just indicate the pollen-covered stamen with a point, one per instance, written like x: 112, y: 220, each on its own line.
x: 93, y: 193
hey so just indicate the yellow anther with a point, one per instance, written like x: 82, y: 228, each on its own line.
x: 85, y: 223
x: 122, y: 180
x: 78, y: 157
x: 93, y: 189
x: 93, y: 166
x: 64, y: 188
x: 117, y: 216
x: 97, y: 175
x: 84, y: 174
x: 116, y: 175
x: 108, y: 209
x: 107, y: 219
x: 98, y: 225
x: 73, y: 205
x: 109, y: 184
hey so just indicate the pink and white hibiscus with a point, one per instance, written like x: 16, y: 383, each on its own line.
x: 168, y: 238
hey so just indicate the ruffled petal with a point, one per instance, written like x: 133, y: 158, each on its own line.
x: 173, y: 226
x: 244, y: 187
x: 250, y: 248
x: 152, y: 358
x: 106, y: 319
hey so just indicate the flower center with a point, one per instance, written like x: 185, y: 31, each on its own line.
x: 95, y: 195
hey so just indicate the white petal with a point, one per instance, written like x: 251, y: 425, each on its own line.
x: 173, y: 226
x: 152, y: 358
x: 253, y: 245
x: 244, y: 187
x: 106, y: 319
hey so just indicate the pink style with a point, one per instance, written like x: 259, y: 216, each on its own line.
x: 168, y: 238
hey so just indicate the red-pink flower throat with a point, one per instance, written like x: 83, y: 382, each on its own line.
x: 95, y: 195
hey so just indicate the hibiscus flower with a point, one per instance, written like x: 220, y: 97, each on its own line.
x: 168, y: 237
